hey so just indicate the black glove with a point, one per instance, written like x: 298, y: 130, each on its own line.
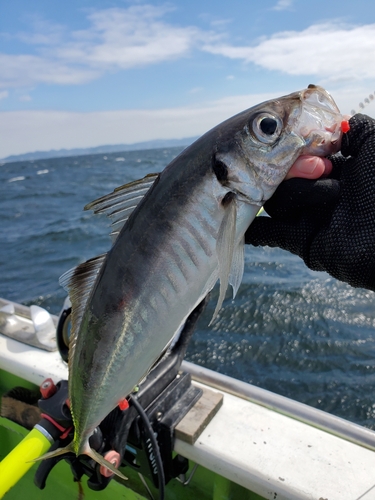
x: 330, y: 223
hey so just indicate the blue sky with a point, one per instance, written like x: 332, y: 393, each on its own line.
x: 84, y: 73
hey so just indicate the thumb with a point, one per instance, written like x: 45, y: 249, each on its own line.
x: 309, y: 167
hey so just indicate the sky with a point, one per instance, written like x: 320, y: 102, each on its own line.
x: 82, y: 73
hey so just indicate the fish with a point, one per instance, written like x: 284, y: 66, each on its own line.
x: 174, y: 235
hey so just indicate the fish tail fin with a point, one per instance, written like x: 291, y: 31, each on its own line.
x: 55, y: 453
x: 103, y: 462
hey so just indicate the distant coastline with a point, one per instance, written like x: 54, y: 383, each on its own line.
x: 114, y: 148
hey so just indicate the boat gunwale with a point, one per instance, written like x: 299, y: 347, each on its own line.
x: 309, y: 415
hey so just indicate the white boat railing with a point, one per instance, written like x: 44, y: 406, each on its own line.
x: 337, y: 426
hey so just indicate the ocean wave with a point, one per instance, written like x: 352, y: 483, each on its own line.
x: 16, y: 179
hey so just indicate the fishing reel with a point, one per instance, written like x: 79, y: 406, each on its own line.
x: 142, y: 435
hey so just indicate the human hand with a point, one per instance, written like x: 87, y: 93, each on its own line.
x: 329, y: 222
x: 310, y: 167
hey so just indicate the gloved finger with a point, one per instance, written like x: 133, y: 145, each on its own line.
x: 362, y: 127
x: 296, y: 195
x: 357, y: 176
x: 265, y: 231
x: 338, y: 165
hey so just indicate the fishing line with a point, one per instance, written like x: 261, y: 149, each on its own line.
x: 363, y: 104
x: 151, y: 435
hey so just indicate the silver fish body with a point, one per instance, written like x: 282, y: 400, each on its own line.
x: 185, y: 234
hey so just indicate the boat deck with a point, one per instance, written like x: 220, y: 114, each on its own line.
x: 267, y: 452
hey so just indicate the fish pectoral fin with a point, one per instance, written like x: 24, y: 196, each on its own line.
x: 238, y: 265
x: 225, y: 251
x: 120, y: 204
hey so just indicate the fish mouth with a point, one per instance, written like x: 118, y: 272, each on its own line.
x: 319, y: 123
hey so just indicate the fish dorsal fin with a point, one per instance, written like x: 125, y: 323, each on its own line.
x: 78, y: 282
x: 119, y: 204
x: 225, y: 251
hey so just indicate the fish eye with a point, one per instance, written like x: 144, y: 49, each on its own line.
x: 266, y: 127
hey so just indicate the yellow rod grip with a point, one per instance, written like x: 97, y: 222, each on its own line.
x: 19, y: 460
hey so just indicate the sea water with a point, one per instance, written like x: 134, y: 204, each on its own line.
x: 290, y: 330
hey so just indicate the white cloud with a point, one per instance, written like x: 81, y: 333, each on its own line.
x: 330, y: 51
x: 283, y: 5
x: 121, y: 38
x: 26, y: 131
x: 131, y: 37
x: 44, y: 32
x: 28, y: 70
x: 116, y: 39
x: 4, y: 94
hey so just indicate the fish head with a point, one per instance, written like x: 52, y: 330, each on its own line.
x: 263, y: 142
